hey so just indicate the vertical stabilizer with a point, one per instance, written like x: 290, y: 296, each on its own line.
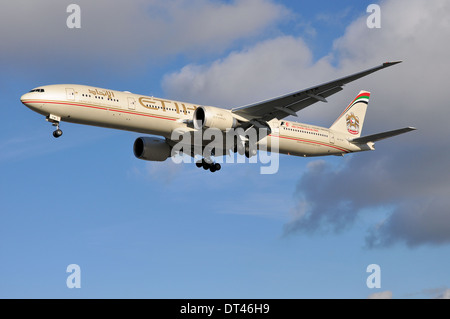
x: 351, y: 120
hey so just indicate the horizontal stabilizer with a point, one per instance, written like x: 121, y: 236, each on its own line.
x: 381, y: 136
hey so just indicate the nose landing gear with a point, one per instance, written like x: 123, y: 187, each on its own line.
x: 57, y: 133
x: 55, y: 122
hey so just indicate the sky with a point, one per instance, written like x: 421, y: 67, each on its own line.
x: 140, y: 229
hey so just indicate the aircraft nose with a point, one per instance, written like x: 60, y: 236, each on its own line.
x: 24, y: 97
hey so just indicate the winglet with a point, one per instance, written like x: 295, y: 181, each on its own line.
x: 386, y: 64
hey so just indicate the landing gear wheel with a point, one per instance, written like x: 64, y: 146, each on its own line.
x: 205, y: 165
x: 247, y: 151
x: 215, y: 167
x: 57, y: 133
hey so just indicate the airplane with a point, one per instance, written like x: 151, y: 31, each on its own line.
x: 162, y: 118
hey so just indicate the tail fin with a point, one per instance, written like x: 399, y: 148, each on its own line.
x: 352, y: 119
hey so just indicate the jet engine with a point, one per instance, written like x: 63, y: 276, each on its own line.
x: 151, y: 149
x: 213, y: 117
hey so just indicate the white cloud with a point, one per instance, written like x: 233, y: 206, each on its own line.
x: 334, y: 18
x: 445, y: 294
x: 270, y: 68
x: 433, y: 293
x: 164, y: 173
x: 381, y: 295
x: 197, y: 25
x: 411, y: 31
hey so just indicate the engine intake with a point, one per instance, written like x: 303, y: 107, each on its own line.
x: 213, y: 117
x: 151, y: 149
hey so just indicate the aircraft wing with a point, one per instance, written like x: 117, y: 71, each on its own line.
x: 289, y: 104
x: 380, y: 136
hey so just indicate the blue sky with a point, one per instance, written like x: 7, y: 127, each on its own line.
x: 161, y: 230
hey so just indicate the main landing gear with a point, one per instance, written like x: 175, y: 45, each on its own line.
x: 211, y: 166
x: 55, y: 122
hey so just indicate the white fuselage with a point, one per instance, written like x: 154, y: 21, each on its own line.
x: 149, y: 115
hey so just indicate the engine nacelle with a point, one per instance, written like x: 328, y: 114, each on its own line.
x: 213, y: 117
x: 151, y: 149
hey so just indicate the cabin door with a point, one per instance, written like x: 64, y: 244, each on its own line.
x: 70, y: 94
x: 131, y: 103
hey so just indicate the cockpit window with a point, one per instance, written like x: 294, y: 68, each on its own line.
x: 37, y: 90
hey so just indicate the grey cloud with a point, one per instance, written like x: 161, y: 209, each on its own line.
x: 409, y: 173
x: 416, y: 222
x: 126, y: 34
x: 332, y: 198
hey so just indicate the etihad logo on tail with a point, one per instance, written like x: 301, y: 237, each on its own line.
x: 352, y: 124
